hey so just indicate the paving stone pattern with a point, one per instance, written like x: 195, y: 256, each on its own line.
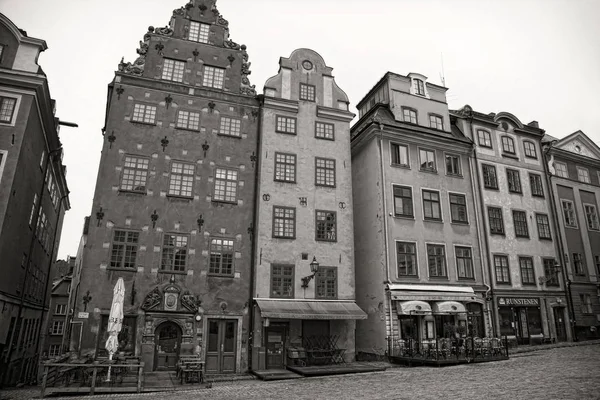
x: 559, y: 373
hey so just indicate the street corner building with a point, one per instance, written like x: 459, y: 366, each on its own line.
x: 33, y: 201
x: 173, y: 208
x: 421, y: 271
x: 574, y: 179
x: 304, y: 296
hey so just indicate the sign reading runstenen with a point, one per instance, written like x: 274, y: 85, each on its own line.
x: 518, y: 301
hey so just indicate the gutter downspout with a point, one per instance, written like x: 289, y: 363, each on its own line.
x: 254, y: 231
x: 490, y: 292
x: 390, y: 340
x: 561, y: 250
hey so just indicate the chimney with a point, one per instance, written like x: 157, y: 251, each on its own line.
x: 534, y: 124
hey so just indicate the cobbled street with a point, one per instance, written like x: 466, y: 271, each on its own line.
x: 561, y: 373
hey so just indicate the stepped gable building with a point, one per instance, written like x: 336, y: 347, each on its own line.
x: 33, y: 201
x: 528, y: 294
x: 420, y: 268
x: 574, y: 179
x: 305, y: 287
x: 173, y: 207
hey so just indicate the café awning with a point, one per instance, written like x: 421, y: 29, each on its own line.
x: 310, y: 309
x: 405, y: 292
x: 413, y: 307
x: 448, y: 307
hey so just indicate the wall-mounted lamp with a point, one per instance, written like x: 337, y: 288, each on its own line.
x: 198, y: 317
x: 314, y: 267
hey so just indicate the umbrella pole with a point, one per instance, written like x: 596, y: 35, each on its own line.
x: 110, y: 355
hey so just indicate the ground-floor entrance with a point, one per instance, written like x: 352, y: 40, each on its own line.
x: 559, y: 321
x: 276, y: 346
x: 167, y: 344
x: 221, y: 346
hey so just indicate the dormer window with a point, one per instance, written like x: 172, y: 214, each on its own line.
x: 409, y: 115
x: 419, y: 87
x: 436, y: 122
x: 508, y: 145
x: 484, y: 138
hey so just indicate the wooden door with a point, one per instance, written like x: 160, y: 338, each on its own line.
x: 276, y: 347
x: 559, y: 321
x: 221, y: 347
x: 166, y: 348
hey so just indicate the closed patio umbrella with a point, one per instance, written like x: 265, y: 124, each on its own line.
x: 115, y: 321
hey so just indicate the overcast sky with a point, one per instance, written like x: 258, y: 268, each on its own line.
x: 537, y: 59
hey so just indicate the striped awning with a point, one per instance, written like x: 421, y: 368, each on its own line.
x: 448, y: 307
x: 310, y: 309
x: 413, y: 307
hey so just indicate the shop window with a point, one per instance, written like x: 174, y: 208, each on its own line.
x: 126, y: 337
x: 399, y: 155
x: 403, y: 203
x: 534, y: 320
x: 282, y: 281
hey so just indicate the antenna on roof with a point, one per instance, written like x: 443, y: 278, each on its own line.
x: 442, y: 77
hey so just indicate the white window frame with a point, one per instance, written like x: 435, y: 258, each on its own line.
x: 416, y: 275
x: 173, y: 70
x: 436, y: 122
x: 534, y: 148
x: 61, y: 309
x: 324, y: 130
x: 230, y: 127
x: 13, y: 119
x: 585, y: 173
x: 137, y: 173
x: 426, y: 169
x: 181, y: 179
x: 487, y: 138
x: 466, y: 207
x: 447, y: 276
x: 439, y: 192
x: 472, y: 261
x: 572, y: 209
x: 188, y: 120
x: 410, y: 111
x: 407, y: 165
x: 227, y: 185
x: 144, y: 114
x: 592, y: 224
x: 565, y: 170
x: 459, y: 172
x: 213, y: 77
x: 198, y: 32
x: 58, y: 327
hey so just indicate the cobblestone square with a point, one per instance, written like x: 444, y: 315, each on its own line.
x: 560, y: 373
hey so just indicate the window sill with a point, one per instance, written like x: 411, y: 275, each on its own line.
x: 429, y: 171
x: 522, y: 237
x: 325, y: 298
x: 466, y: 279
x: 284, y: 237
x: 181, y: 128
x: 122, y: 269
x: 286, y: 133
x: 438, y: 221
x: 124, y: 191
x: 224, y: 202
x: 325, y: 138
x: 167, y: 271
x: 408, y: 217
x: 491, y: 188
x: 409, y: 277
x: 541, y: 196
x: 463, y: 223
x: 326, y: 240
x: 282, y: 181
x: 514, y: 192
x: 325, y: 186
x: 438, y: 278
x: 177, y: 197
x: 220, y: 275
x: 143, y: 123
x: 546, y: 238
x: 230, y: 136
x: 485, y: 147
x: 400, y: 166
x: 507, y: 155
x: 529, y: 284
x: 504, y: 283
x: 572, y: 226
x: 530, y: 157
x: 455, y: 175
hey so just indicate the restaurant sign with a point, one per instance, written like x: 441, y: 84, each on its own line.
x: 518, y: 301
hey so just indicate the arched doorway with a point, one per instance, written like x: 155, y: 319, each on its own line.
x: 167, y: 344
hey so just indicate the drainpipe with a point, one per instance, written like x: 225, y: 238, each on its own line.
x: 489, y: 292
x: 385, y: 235
x: 561, y: 250
x: 253, y: 263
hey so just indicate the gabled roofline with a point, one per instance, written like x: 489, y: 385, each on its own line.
x: 20, y: 35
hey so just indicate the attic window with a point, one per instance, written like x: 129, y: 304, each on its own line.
x: 419, y: 87
x: 198, y: 32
